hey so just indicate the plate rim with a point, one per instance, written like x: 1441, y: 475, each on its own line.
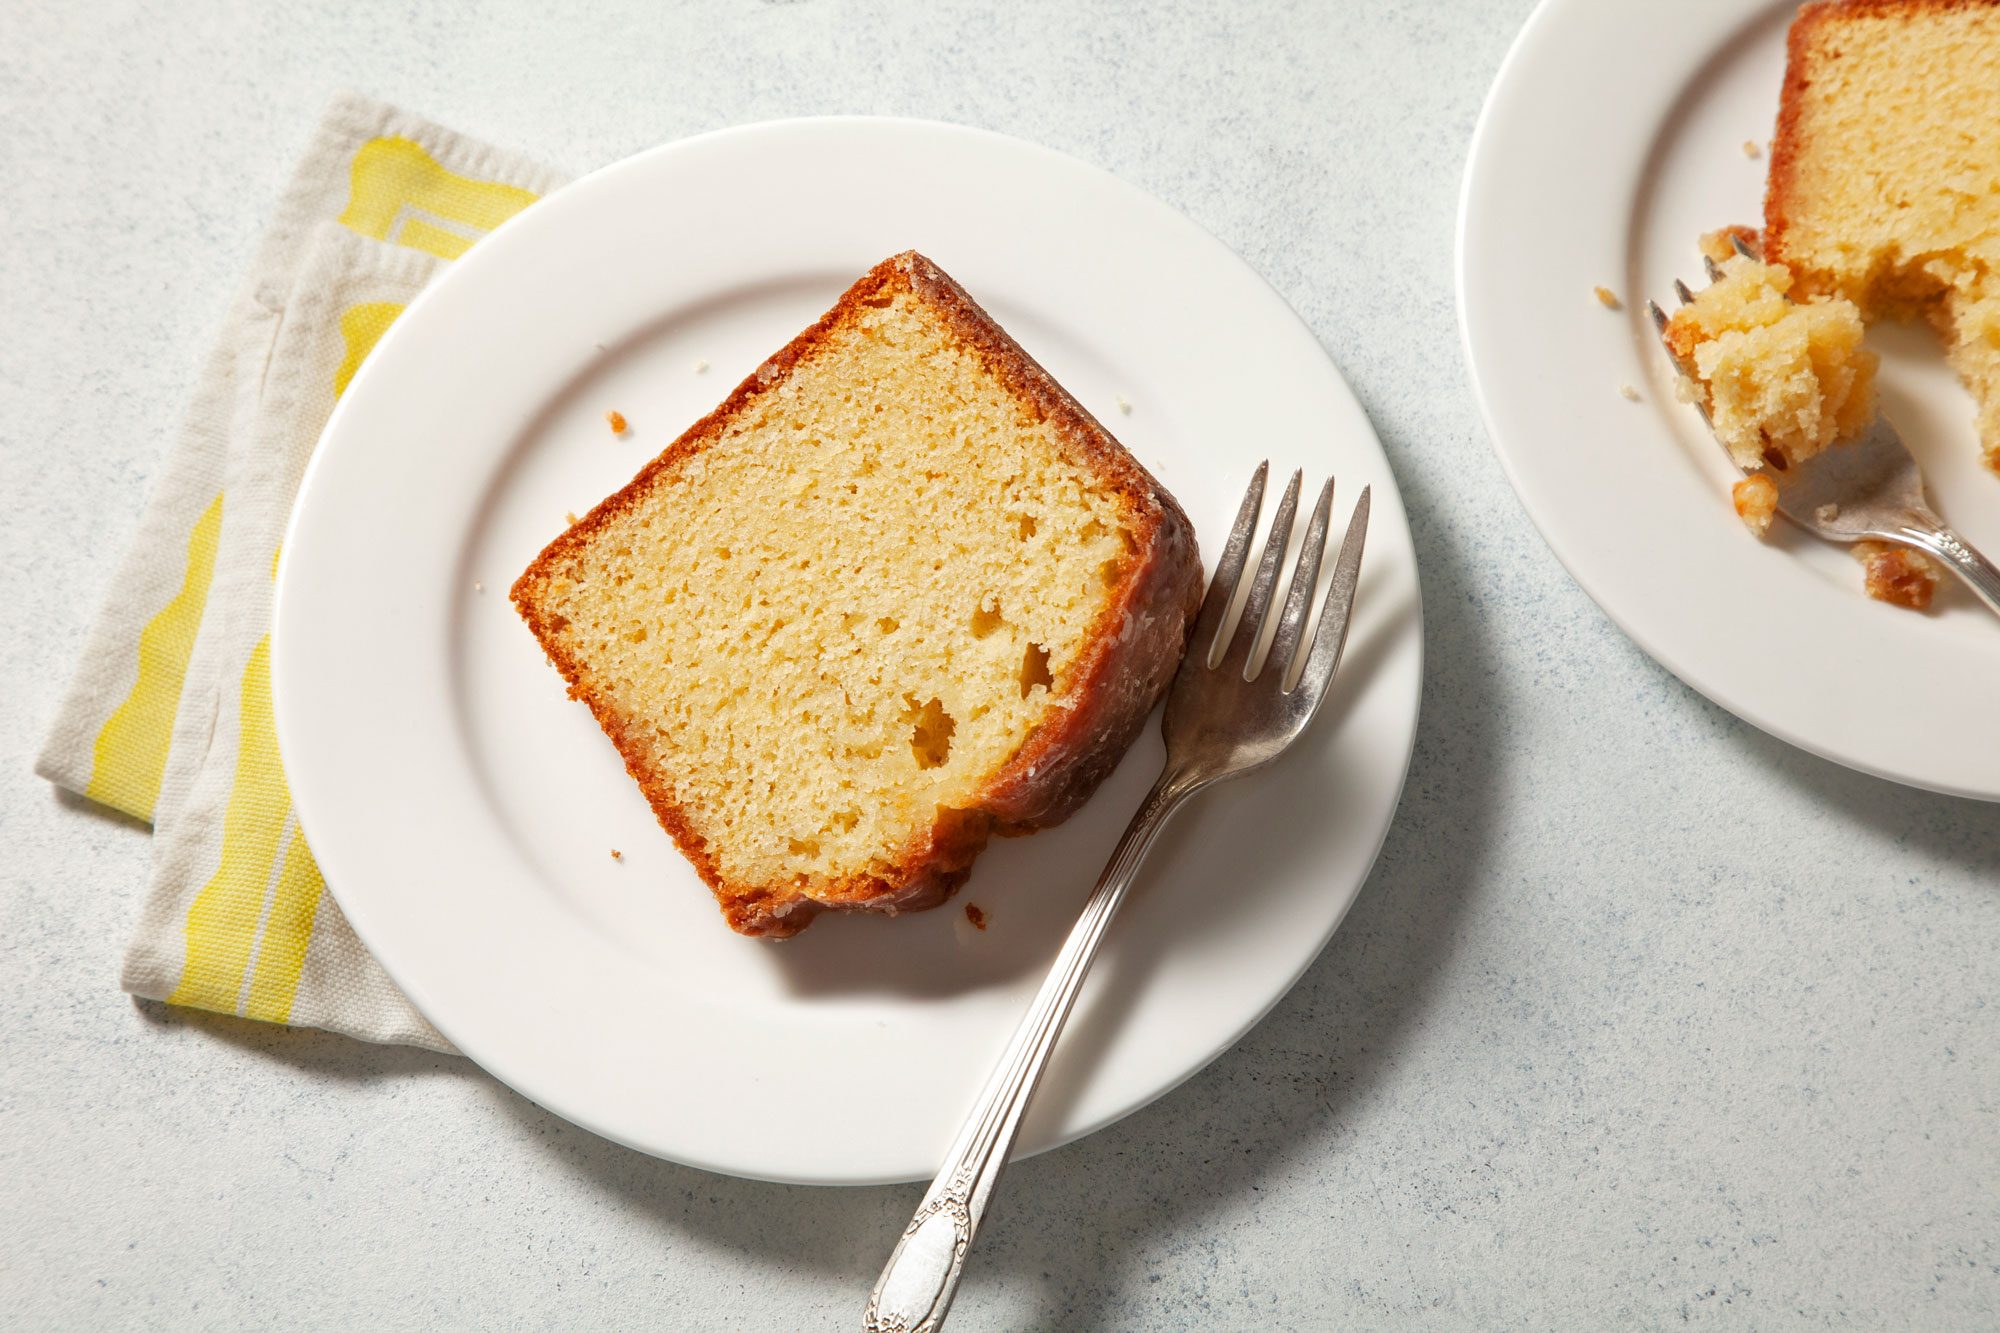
x: 466, y: 270
x: 1567, y: 547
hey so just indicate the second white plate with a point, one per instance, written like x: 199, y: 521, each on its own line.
x: 1613, y: 137
x: 464, y: 810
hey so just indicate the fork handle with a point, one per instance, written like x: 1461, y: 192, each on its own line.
x: 1958, y: 555
x: 916, y: 1286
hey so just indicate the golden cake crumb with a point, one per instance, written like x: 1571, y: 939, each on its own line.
x: 617, y: 420
x: 1124, y: 405
x: 1896, y: 574
x: 1756, y: 500
x: 1781, y: 379
x: 1719, y: 245
x: 976, y: 915
x: 1751, y: 148
x: 1608, y: 298
x: 1827, y: 513
x: 569, y: 517
x: 477, y: 586
x: 1628, y: 393
x: 617, y: 855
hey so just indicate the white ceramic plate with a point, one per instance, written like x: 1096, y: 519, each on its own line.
x: 1612, y: 138
x: 464, y: 810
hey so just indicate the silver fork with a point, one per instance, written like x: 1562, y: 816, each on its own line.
x: 1223, y: 719
x: 1866, y: 489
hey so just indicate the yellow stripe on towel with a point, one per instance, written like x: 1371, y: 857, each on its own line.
x: 398, y: 193
x: 130, y: 753
x: 288, y: 927
x: 222, y: 920
x: 361, y: 327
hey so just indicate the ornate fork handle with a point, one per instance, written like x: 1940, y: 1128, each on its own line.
x: 1957, y: 555
x: 917, y: 1284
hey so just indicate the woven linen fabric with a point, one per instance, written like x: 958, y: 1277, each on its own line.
x: 168, y: 718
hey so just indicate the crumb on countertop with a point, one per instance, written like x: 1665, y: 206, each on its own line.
x: 1628, y: 393
x: 975, y: 915
x: 1608, y: 298
x: 617, y: 420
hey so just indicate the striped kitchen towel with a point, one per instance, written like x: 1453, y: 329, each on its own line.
x: 169, y: 716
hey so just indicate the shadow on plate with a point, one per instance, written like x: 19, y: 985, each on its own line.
x: 1215, y: 856
x: 1029, y: 888
x: 1243, y: 833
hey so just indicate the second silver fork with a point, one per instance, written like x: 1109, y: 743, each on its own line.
x: 1222, y: 719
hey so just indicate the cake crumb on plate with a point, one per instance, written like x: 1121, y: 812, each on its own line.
x: 1896, y: 574
x: 1756, y: 501
x: 617, y: 422
x: 617, y: 855
x: 700, y: 365
x: 1751, y: 148
x: 1608, y: 298
x: 1124, y: 404
x: 1628, y: 393
x: 976, y: 915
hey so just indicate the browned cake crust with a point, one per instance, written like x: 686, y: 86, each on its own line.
x: 1132, y: 651
x: 1813, y: 28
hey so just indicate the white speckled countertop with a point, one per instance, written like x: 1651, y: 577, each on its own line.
x: 1644, y: 1018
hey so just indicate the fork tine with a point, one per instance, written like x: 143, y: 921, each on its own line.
x: 1742, y: 247
x: 1681, y: 290
x: 1305, y: 579
x: 1251, y: 624
x: 1660, y: 321
x: 1331, y: 635
x: 1714, y: 269
x: 1228, y: 569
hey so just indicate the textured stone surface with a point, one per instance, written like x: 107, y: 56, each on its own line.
x: 1644, y: 1018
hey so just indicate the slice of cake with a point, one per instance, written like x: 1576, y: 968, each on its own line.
x: 899, y: 592
x: 1781, y: 379
x: 1885, y: 174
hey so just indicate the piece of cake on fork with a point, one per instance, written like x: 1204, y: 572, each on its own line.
x: 1781, y: 380
x: 899, y: 592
